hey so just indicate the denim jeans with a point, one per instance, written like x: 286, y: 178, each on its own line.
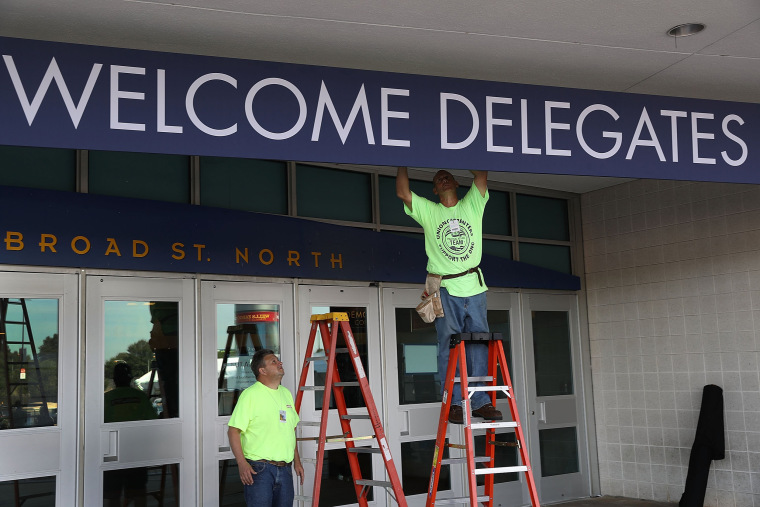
x: 272, y: 486
x: 464, y: 315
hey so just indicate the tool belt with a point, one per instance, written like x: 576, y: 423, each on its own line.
x: 431, y: 307
x: 275, y: 463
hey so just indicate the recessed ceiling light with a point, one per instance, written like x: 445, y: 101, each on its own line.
x: 686, y: 29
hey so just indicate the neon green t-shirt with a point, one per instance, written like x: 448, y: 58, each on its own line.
x: 453, y: 239
x: 267, y: 419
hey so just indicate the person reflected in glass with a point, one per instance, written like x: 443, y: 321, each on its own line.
x: 262, y: 436
x: 125, y: 403
x: 164, y: 341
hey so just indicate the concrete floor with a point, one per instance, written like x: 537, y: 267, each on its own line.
x: 614, y: 501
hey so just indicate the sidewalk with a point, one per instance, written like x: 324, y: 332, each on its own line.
x: 614, y: 501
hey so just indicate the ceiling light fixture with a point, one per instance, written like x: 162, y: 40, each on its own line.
x: 686, y: 29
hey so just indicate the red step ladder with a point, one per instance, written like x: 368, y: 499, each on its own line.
x: 329, y: 326
x: 496, y: 358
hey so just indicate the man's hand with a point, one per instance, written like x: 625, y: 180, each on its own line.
x: 246, y: 473
x: 481, y: 181
x: 297, y: 464
x: 402, y: 187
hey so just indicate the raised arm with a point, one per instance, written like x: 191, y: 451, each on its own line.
x: 402, y: 187
x: 481, y: 181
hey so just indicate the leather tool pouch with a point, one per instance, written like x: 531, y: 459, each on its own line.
x: 431, y: 307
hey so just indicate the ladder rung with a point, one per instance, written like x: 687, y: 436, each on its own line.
x: 355, y: 416
x: 17, y: 322
x: 370, y: 482
x: 317, y: 358
x: 371, y: 450
x: 464, y: 499
x: 463, y: 459
x: 18, y: 362
x: 474, y: 379
x: 501, y: 470
x: 502, y: 424
x: 302, y: 498
x: 312, y: 388
x: 488, y: 388
x: 309, y: 423
x: 308, y: 460
x: 16, y: 342
x: 346, y: 384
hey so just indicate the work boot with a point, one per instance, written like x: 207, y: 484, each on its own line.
x: 488, y: 412
x: 455, y: 415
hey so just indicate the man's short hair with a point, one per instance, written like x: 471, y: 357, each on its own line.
x: 258, y: 360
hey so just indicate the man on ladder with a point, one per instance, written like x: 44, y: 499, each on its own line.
x: 454, y: 245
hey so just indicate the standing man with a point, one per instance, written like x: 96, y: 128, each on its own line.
x: 454, y: 245
x: 262, y: 436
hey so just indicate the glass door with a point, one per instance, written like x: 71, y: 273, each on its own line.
x: 38, y: 389
x: 140, y: 440
x: 238, y: 318
x: 362, y: 306
x: 414, y: 399
x: 555, y: 397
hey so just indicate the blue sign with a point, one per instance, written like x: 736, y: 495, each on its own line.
x: 74, y: 96
x: 49, y: 228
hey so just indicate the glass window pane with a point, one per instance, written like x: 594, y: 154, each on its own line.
x: 140, y: 175
x: 556, y: 257
x: 333, y: 194
x: 416, y: 460
x: 149, y: 486
x: 36, y: 492
x: 357, y: 319
x: 496, y: 219
x: 31, y: 367
x: 141, y: 371
x: 392, y: 208
x: 505, y: 455
x: 417, y: 348
x: 559, y: 451
x: 230, y: 488
x: 245, y: 184
x: 542, y: 217
x: 241, y: 330
x: 501, y: 249
x: 337, y: 482
x: 552, y: 353
x: 48, y: 168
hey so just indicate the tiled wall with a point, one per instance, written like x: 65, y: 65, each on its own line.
x: 673, y: 279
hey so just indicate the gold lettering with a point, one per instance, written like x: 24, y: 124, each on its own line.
x: 83, y: 250
x: 269, y: 254
x: 180, y: 254
x: 293, y: 257
x: 112, y: 247
x: 241, y: 255
x: 142, y: 243
x: 199, y: 248
x: 316, y: 258
x: 14, y: 240
x: 48, y: 241
x: 336, y: 260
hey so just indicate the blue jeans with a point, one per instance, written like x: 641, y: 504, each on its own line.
x: 272, y: 486
x: 464, y: 315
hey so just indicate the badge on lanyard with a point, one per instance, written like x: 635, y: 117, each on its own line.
x: 454, y: 225
x: 283, y: 416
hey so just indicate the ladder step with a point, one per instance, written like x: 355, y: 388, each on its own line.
x: 488, y: 388
x: 312, y: 388
x: 499, y: 424
x: 464, y: 499
x: 463, y: 459
x: 16, y: 342
x: 347, y: 384
x: 355, y: 416
x: 500, y: 470
x: 18, y: 322
x: 339, y: 350
x: 370, y: 482
x: 362, y: 450
x: 474, y: 379
x: 309, y: 423
x: 302, y: 498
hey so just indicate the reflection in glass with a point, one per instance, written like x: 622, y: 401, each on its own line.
x: 505, y: 455
x: 28, y: 363
x: 241, y: 330
x: 142, y: 339
x: 357, y: 320
x: 417, y: 349
x: 36, y: 492
x: 559, y: 451
x: 230, y: 488
x: 552, y: 353
x: 337, y: 481
x: 142, y: 486
x: 416, y: 460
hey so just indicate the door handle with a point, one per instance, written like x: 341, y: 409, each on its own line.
x: 542, y: 412
x: 112, y: 446
x: 224, y: 448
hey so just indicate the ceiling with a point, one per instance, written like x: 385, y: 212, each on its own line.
x: 614, y: 45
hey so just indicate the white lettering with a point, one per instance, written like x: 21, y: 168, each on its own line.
x: 524, y: 129
x: 637, y: 141
x: 190, y: 104
x: 549, y: 125
x: 445, y: 144
x: 674, y: 115
x: 117, y: 94
x: 343, y: 130
x: 278, y: 136
x: 386, y: 113
x: 491, y: 121
x: 161, y: 106
x: 696, y: 136
x: 617, y: 136
x: 52, y: 73
x: 734, y: 138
